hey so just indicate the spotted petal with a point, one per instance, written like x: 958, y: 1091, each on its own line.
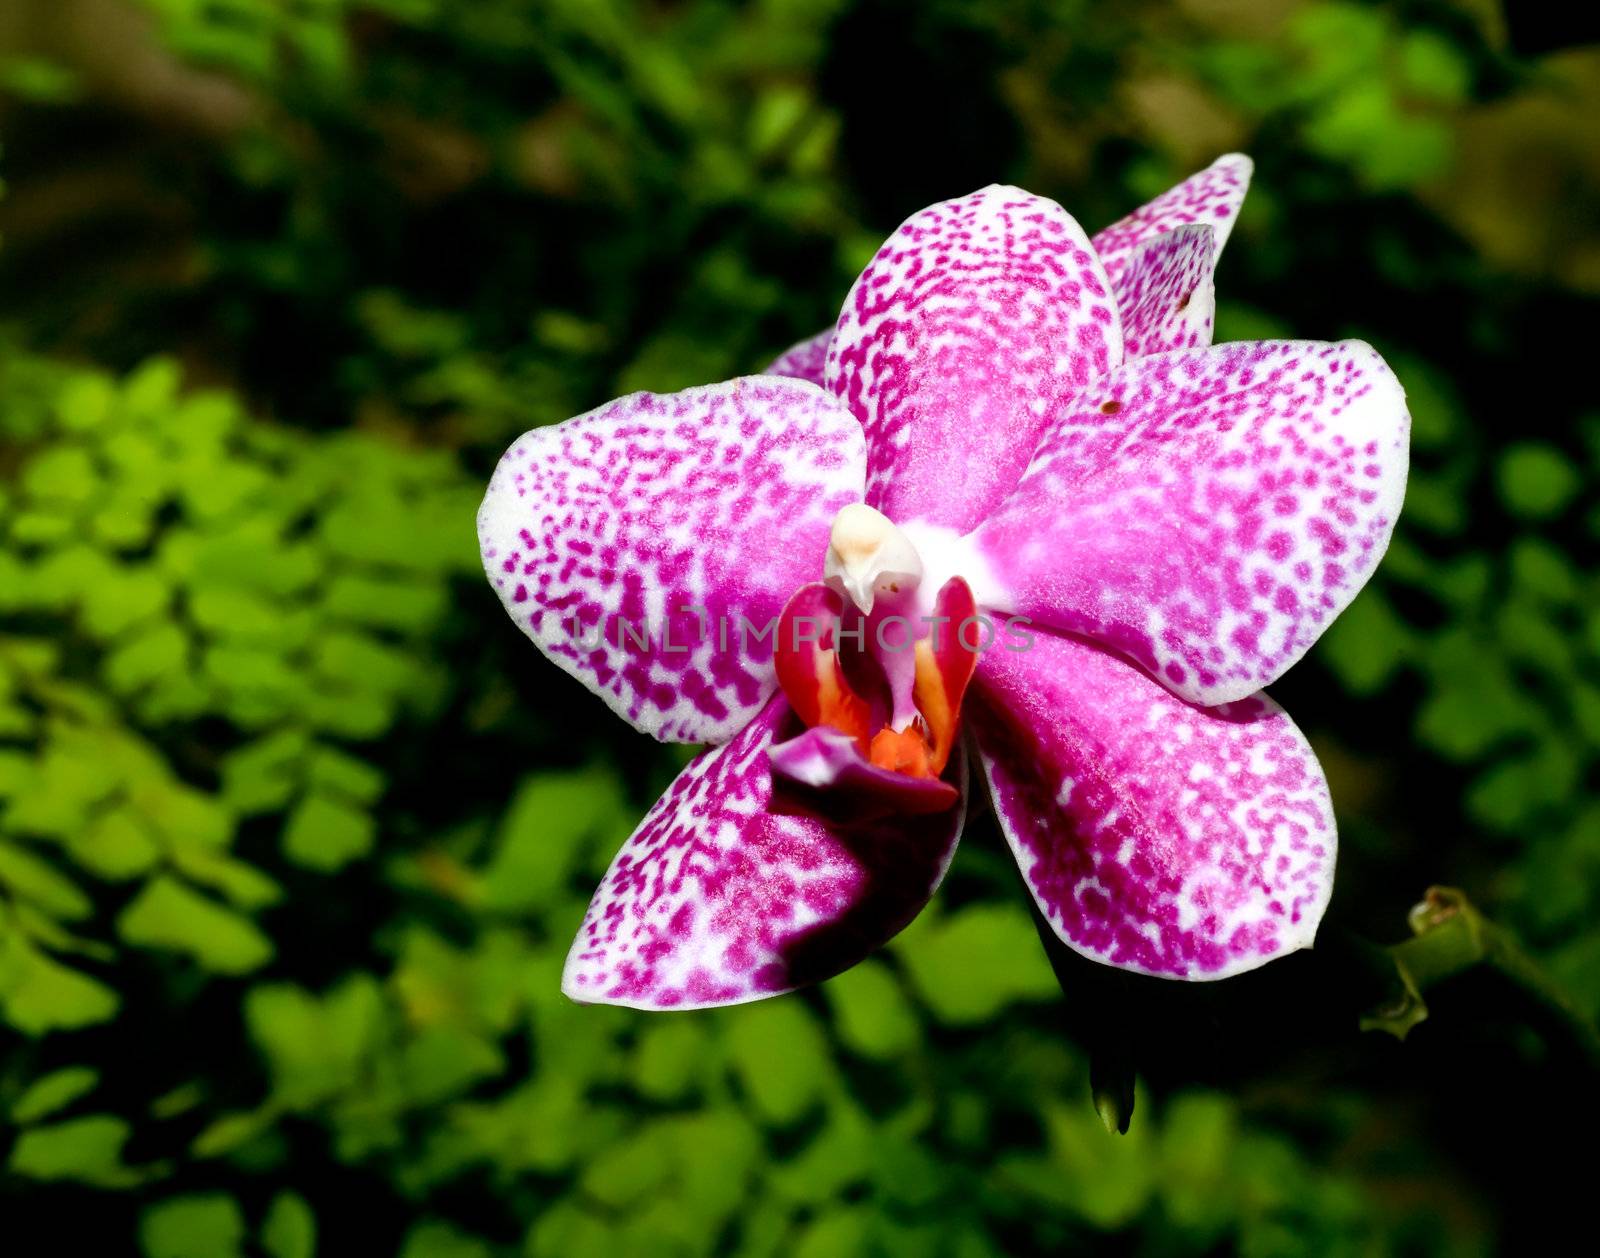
x: 1208, y: 513
x: 806, y: 360
x: 648, y: 546
x: 719, y: 898
x: 1177, y: 841
x: 1212, y: 196
x: 956, y: 340
x: 1166, y: 294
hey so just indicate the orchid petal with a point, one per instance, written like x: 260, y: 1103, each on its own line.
x: 804, y: 360
x: 1172, y: 840
x: 1208, y: 513
x: 648, y: 546
x: 1166, y: 294
x: 1213, y: 195
x: 719, y: 898
x: 809, y: 668
x: 972, y: 318
x: 946, y: 660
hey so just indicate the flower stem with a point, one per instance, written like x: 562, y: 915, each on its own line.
x: 1449, y: 937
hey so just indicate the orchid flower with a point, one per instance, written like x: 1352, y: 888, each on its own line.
x: 1011, y: 519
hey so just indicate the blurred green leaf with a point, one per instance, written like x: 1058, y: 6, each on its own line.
x: 55, y: 1091
x: 242, y: 884
x: 342, y: 774
x: 115, y: 845
x: 37, y: 79
x: 1431, y: 66
x: 778, y: 1053
x: 395, y: 604
x: 208, y: 1225
x: 28, y: 877
x: 316, y: 1046
x: 1367, y: 644
x: 63, y: 474
x: 969, y: 965
x: 669, y: 1058
x: 1109, y: 1177
x: 168, y: 915
x: 85, y: 1150
x: 875, y: 1018
x: 324, y: 834
x: 156, y: 653
x: 1198, y: 1134
x: 263, y: 775
x: 290, y: 1229
x: 620, y: 1177
x: 1536, y: 481
x: 553, y: 821
x: 445, y: 1061
x: 229, y: 1132
x: 442, y: 1240
x: 39, y: 994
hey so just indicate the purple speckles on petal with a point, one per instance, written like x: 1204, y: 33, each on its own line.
x: 1173, y: 840
x: 1212, y: 196
x: 720, y: 898
x: 1186, y: 509
x: 956, y: 340
x: 807, y: 360
x: 634, y: 543
x: 1166, y: 294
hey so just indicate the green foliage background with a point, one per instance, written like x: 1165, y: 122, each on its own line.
x: 295, y: 829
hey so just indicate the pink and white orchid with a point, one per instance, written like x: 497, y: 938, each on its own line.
x: 1010, y: 425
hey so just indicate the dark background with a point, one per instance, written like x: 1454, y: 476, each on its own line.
x: 295, y: 828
